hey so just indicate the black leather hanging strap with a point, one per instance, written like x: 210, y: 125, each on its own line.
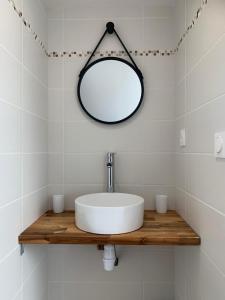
x: 110, y: 29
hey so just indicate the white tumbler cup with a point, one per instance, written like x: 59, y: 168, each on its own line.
x: 58, y: 203
x: 161, y: 203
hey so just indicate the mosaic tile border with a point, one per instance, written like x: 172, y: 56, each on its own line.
x: 117, y: 53
x: 29, y: 27
x: 55, y: 54
x: 193, y: 22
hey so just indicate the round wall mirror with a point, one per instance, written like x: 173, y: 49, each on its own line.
x: 110, y: 90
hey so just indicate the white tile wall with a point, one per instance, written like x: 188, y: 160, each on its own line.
x: 9, y: 230
x: 200, y: 272
x: 35, y: 287
x: 112, y: 290
x: 34, y: 163
x: 151, y: 270
x: 11, y: 39
x: 119, y: 138
x: 189, y: 87
x: 10, y: 72
x: 10, y: 174
x: 34, y: 95
x: 23, y: 150
x: 11, y: 274
x: 144, y: 148
x: 158, y: 291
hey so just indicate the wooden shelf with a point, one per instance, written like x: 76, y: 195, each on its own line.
x: 158, y: 229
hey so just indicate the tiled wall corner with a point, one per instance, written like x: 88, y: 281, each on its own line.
x: 23, y: 150
x: 200, y: 102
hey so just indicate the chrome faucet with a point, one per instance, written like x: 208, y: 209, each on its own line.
x: 110, y: 172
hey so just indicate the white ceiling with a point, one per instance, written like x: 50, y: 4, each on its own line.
x: 69, y: 3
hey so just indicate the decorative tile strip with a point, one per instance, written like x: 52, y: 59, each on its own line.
x: 28, y: 26
x: 106, y: 53
x: 193, y: 22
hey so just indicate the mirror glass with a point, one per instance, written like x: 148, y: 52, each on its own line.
x: 110, y: 90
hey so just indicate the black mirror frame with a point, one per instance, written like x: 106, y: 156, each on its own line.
x: 137, y: 71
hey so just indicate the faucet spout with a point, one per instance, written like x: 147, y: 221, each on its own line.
x: 110, y: 172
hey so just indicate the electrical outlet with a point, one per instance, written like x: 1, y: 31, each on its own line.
x: 219, y: 145
x: 183, y: 137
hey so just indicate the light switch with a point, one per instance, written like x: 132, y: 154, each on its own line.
x: 219, y: 146
x: 182, y: 137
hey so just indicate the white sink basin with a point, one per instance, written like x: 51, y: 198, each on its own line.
x: 109, y: 213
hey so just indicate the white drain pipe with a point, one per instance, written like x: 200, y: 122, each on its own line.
x: 109, y: 257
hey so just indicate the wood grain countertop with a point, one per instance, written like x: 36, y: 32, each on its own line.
x: 158, y: 229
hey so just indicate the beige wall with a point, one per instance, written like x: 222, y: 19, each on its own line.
x: 144, y: 147
x: 23, y: 149
x: 200, y: 188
